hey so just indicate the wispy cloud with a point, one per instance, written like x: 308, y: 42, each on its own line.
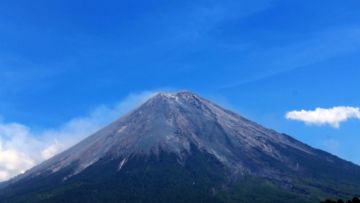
x: 21, y: 147
x: 321, y: 46
x: 320, y: 116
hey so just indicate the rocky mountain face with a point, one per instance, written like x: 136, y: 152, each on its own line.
x: 179, y: 147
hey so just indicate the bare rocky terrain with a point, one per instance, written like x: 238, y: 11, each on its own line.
x: 191, y: 142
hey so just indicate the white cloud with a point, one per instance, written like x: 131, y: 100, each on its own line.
x: 320, y: 116
x: 22, y: 147
x: 51, y: 150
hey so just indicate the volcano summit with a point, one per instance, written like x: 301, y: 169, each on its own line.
x: 179, y: 147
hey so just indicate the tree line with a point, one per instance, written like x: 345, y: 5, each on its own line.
x: 354, y: 200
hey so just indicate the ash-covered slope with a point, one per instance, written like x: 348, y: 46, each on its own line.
x: 172, y: 123
x: 192, y: 142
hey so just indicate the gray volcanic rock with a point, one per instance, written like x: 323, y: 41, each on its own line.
x: 185, y: 125
x: 173, y: 122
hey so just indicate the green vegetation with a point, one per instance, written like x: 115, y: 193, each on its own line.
x: 354, y: 200
x: 164, y: 178
x: 142, y: 179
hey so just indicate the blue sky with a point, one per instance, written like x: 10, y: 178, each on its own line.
x: 63, y: 60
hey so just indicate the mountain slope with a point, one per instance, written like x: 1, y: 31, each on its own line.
x: 186, y: 149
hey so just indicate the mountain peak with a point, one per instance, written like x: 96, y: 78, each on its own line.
x: 176, y: 95
x: 175, y: 123
x: 191, y: 131
x: 172, y: 100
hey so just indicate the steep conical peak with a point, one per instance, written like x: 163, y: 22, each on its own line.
x: 175, y: 123
x: 182, y: 132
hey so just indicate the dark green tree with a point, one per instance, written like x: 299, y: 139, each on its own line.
x: 355, y: 200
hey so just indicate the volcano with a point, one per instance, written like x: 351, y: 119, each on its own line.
x: 180, y: 147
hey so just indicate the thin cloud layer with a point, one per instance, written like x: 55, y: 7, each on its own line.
x: 320, y: 116
x: 22, y: 147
